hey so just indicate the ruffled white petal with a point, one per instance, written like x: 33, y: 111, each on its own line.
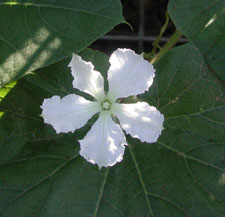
x: 140, y: 120
x: 86, y: 78
x: 104, y: 143
x: 129, y: 74
x: 69, y: 113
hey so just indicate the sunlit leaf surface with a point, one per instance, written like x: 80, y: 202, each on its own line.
x: 37, y: 33
x: 203, y: 22
x: 41, y: 173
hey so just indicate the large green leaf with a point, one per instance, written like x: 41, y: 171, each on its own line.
x: 203, y: 22
x: 41, y: 173
x: 38, y: 33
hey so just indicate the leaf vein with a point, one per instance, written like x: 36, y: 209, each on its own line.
x: 210, y: 120
x: 169, y: 201
x: 190, y: 157
x: 197, y: 182
x: 40, y: 181
x: 141, y: 181
x: 196, y: 113
x: 101, y: 192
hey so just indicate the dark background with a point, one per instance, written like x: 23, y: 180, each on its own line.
x: 146, y: 18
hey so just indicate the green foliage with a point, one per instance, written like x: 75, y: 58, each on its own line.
x: 203, y: 22
x: 42, y: 173
x: 35, y: 34
x: 181, y: 175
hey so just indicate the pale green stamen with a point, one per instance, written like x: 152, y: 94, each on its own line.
x: 106, y: 105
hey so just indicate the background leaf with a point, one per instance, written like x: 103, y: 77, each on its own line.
x: 42, y: 174
x: 38, y: 33
x: 203, y: 22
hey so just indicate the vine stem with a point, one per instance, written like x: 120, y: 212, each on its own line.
x: 163, y: 29
x: 170, y: 44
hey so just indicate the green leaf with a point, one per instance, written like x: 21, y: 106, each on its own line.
x: 183, y: 174
x: 35, y: 34
x: 203, y: 22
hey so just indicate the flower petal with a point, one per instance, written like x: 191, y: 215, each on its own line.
x: 129, y: 74
x: 86, y: 78
x: 104, y: 143
x: 140, y: 120
x: 69, y: 113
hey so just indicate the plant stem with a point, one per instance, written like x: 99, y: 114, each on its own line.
x: 163, y: 29
x: 170, y: 44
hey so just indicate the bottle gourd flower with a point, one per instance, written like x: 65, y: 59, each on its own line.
x: 104, y: 145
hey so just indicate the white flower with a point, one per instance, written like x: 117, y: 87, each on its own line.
x: 104, y: 145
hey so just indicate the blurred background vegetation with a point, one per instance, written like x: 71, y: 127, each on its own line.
x: 146, y: 17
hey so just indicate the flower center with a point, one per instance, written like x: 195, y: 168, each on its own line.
x: 106, y: 105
